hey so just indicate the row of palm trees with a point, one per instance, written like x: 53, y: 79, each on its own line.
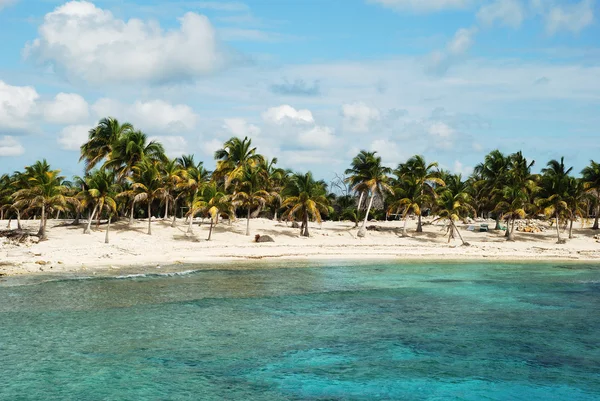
x: 502, y: 186
x: 126, y: 176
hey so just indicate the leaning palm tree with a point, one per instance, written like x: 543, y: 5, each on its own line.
x: 358, y: 168
x: 453, y: 207
x: 374, y: 179
x: 425, y: 176
x: 147, y: 185
x: 251, y: 193
x: 172, y: 174
x: 102, y: 138
x: 100, y: 191
x: 304, y: 198
x: 554, y: 183
x: 591, y: 178
x: 45, y: 192
x: 407, y: 197
x: 236, y: 155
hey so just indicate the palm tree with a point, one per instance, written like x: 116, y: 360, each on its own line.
x: 512, y: 207
x: 100, y: 191
x: 6, y: 191
x: 453, y: 207
x: 375, y: 179
x: 359, y: 166
x: 234, y: 157
x: 212, y: 201
x: 555, y: 181
x: 304, y: 198
x: 172, y: 175
x: 407, y: 197
x: 591, y: 178
x: 101, y: 140
x: 45, y: 191
x: 148, y: 185
x: 194, y: 177
x: 576, y: 197
x: 251, y: 194
x: 130, y: 149
x: 425, y: 176
x: 493, y: 172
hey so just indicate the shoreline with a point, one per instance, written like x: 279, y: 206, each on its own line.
x: 70, y: 251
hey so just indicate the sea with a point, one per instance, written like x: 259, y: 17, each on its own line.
x: 319, y: 330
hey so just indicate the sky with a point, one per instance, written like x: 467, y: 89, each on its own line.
x: 312, y: 82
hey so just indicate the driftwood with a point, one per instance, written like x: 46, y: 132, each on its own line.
x: 17, y: 236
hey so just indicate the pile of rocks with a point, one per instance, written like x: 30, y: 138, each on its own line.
x: 529, y: 226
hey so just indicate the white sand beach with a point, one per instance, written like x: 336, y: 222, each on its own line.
x: 69, y: 250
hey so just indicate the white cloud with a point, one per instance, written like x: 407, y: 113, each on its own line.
x: 506, y: 12
x: 440, y: 130
x: 460, y: 168
x: 390, y: 152
x: 358, y: 117
x: 462, y: 41
x: 422, y: 5
x: 90, y: 43
x: 17, y: 107
x: 9, y: 146
x: 317, y: 137
x: 155, y: 116
x: 240, y: 127
x: 72, y: 137
x: 286, y: 113
x: 573, y: 18
x: 6, y: 3
x: 175, y: 146
x: 67, y: 108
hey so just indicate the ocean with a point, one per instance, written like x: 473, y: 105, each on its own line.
x: 305, y: 331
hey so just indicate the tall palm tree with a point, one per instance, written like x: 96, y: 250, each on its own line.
x: 304, y: 198
x: 194, y: 177
x: 493, y: 172
x: 512, y: 207
x: 359, y: 166
x: 408, y: 196
x: 374, y: 179
x: 130, y: 149
x: 6, y: 191
x: 172, y: 175
x: 555, y: 181
x: 101, y: 141
x: 576, y: 198
x: 101, y: 192
x: 212, y: 201
x: 148, y: 185
x: 425, y: 176
x: 45, y: 192
x: 251, y: 193
x: 234, y: 157
x: 591, y: 178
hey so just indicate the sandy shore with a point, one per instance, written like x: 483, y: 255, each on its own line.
x: 69, y: 250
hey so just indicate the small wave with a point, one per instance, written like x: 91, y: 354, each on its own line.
x: 153, y: 275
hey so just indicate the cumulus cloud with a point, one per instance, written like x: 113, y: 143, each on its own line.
x: 175, y: 146
x: 505, y: 12
x: 460, y: 168
x: 154, y: 116
x: 317, y: 137
x: 287, y: 114
x: 390, y: 152
x: 73, y: 136
x: 358, y: 117
x: 570, y: 17
x: 66, y: 108
x: 456, y: 48
x: 18, y: 104
x: 422, y: 5
x: 9, y: 146
x: 90, y: 43
x: 241, y: 128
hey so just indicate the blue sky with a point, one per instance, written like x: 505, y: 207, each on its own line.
x: 312, y: 82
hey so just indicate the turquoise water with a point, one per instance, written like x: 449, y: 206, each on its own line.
x: 336, y: 331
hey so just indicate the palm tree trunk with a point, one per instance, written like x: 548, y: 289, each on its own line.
x: 89, y: 223
x: 167, y: 208
x: 595, y: 226
x: 404, y: 233
x: 190, y: 222
x: 363, y: 230
x: 107, y: 230
x: 305, y: 223
x: 57, y: 214
x: 2, y: 214
x: 459, y: 235
x: 8, y: 225
x: 511, y: 231
x: 41, y: 230
x: 131, y: 215
x: 174, y: 223
x: 77, y: 217
x: 419, y: 224
x: 248, y: 223
x: 18, y: 219
x: 360, y: 200
x: 149, y: 217
x: 275, y: 215
x: 44, y: 220
x: 557, y: 227
x: 571, y: 229
x: 497, y: 223
x: 210, y: 230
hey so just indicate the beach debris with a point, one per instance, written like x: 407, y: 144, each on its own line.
x: 263, y: 238
x: 383, y: 229
x: 529, y: 226
x: 17, y: 237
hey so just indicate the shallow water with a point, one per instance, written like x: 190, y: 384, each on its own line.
x: 327, y: 331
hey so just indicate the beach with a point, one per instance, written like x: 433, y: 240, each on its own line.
x: 69, y: 250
